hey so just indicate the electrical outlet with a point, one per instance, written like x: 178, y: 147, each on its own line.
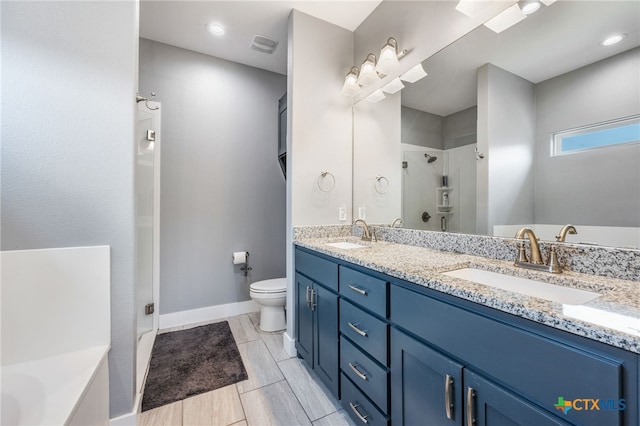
x: 362, y: 213
x: 342, y: 213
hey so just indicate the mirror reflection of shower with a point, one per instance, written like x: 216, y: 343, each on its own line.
x: 430, y: 158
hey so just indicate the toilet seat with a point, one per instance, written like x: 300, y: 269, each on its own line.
x: 271, y: 287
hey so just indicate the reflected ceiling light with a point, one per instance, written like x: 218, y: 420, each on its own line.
x: 376, y: 96
x: 394, y: 86
x: 215, y: 28
x: 530, y: 6
x: 506, y: 19
x: 548, y: 2
x: 470, y: 7
x: 388, y: 62
x: 368, y: 74
x: 414, y: 74
x: 613, y: 39
x: 351, y: 87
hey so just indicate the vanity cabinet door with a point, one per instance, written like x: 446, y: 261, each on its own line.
x: 325, y: 309
x: 487, y: 404
x: 426, y: 386
x: 304, y: 319
x: 317, y: 329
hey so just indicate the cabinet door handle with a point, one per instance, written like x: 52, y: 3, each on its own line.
x: 358, y: 372
x: 362, y: 418
x: 307, y: 298
x: 471, y: 394
x: 357, y: 330
x: 448, y: 389
x: 357, y: 290
x: 314, y: 299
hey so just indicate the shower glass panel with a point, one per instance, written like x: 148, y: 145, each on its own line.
x: 147, y: 184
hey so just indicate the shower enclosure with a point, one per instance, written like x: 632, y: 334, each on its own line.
x: 430, y: 204
x: 147, y: 184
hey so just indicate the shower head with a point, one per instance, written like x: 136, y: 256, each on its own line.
x: 430, y: 158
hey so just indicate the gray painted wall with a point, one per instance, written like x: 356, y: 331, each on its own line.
x: 598, y: 187
x: 506, y: 134
x: 68, y: 108
x: 221, y: 186
x: 421, y: 128
x: 460, y: 129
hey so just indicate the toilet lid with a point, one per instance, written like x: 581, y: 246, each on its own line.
x: 277, y: 285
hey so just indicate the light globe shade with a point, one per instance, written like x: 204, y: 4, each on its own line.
x: 368, y: 75
x: 394, y: 86
x: 351, y: 87
x: 414, y: 74
x: 376, y: 96
x: 506, y: 19
x: 388, y: 62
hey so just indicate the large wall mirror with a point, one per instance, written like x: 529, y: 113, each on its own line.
x: 470, y: 147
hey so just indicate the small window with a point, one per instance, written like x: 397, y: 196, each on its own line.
x: 616, y: 132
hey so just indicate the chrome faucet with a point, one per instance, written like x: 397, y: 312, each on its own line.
x: 396, y: 221
x: 567, y: 229
x: 366, y: 235
x: 536, y: 261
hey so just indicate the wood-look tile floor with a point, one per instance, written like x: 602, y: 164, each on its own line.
x: 280, y: 391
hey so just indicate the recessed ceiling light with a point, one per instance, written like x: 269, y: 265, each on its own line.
x: 215, y: 28
x: 529, y: 7
x: 613, y: 39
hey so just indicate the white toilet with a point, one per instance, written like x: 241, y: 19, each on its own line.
x: 271, y: 295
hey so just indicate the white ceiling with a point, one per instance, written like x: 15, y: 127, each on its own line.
x: 182, y: 24
x: 557, y: 39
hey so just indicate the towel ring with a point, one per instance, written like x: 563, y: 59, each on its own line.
x: 140, y: 98
x: 382, y: 184
x: 321, y: 179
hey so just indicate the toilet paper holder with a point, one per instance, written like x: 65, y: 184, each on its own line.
x: 245, y: 264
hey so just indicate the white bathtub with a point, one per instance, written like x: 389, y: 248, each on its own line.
x: 55, y: 336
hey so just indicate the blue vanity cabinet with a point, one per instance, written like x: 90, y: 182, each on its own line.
x: 432, y: 389
x: 487, y: 404
x: 316, y: 285
x: 364, y: 346
x: 527, y: 366
x: 426, y: 385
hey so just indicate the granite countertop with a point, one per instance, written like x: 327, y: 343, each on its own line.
x: 613, y: 318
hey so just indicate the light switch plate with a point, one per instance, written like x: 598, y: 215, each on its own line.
x: 362, y: 213
x: 342, y: 213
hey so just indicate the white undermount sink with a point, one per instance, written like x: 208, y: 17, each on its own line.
x: 346, y: 245
x: 542, y: 290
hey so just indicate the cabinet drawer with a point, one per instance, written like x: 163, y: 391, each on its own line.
x: 538, y: 367
x: 360, y: 409
x: 365, y: 330
x: 368, y: 375
x: 320, y: 270
x: 364, y: 290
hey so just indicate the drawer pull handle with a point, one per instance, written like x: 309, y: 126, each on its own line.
x: 307, y: 298
x: 358, y: 372
x: 362, y: 418
x: 470, y: 395
x: 448, y: 388
x: 357, y: 330
x: 314, y: 300
x: 357, y: 290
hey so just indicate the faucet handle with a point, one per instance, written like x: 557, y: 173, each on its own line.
x: 554, y: 265
x: 522, y: 254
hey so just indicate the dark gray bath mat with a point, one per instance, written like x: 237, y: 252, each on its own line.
x: 190, y: 362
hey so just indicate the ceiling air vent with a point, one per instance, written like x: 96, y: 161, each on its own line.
x: 263, y: 44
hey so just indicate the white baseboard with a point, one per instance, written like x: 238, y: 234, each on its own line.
x: 210, y: 313
x: 125, y: 420
x: 289, y: 345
